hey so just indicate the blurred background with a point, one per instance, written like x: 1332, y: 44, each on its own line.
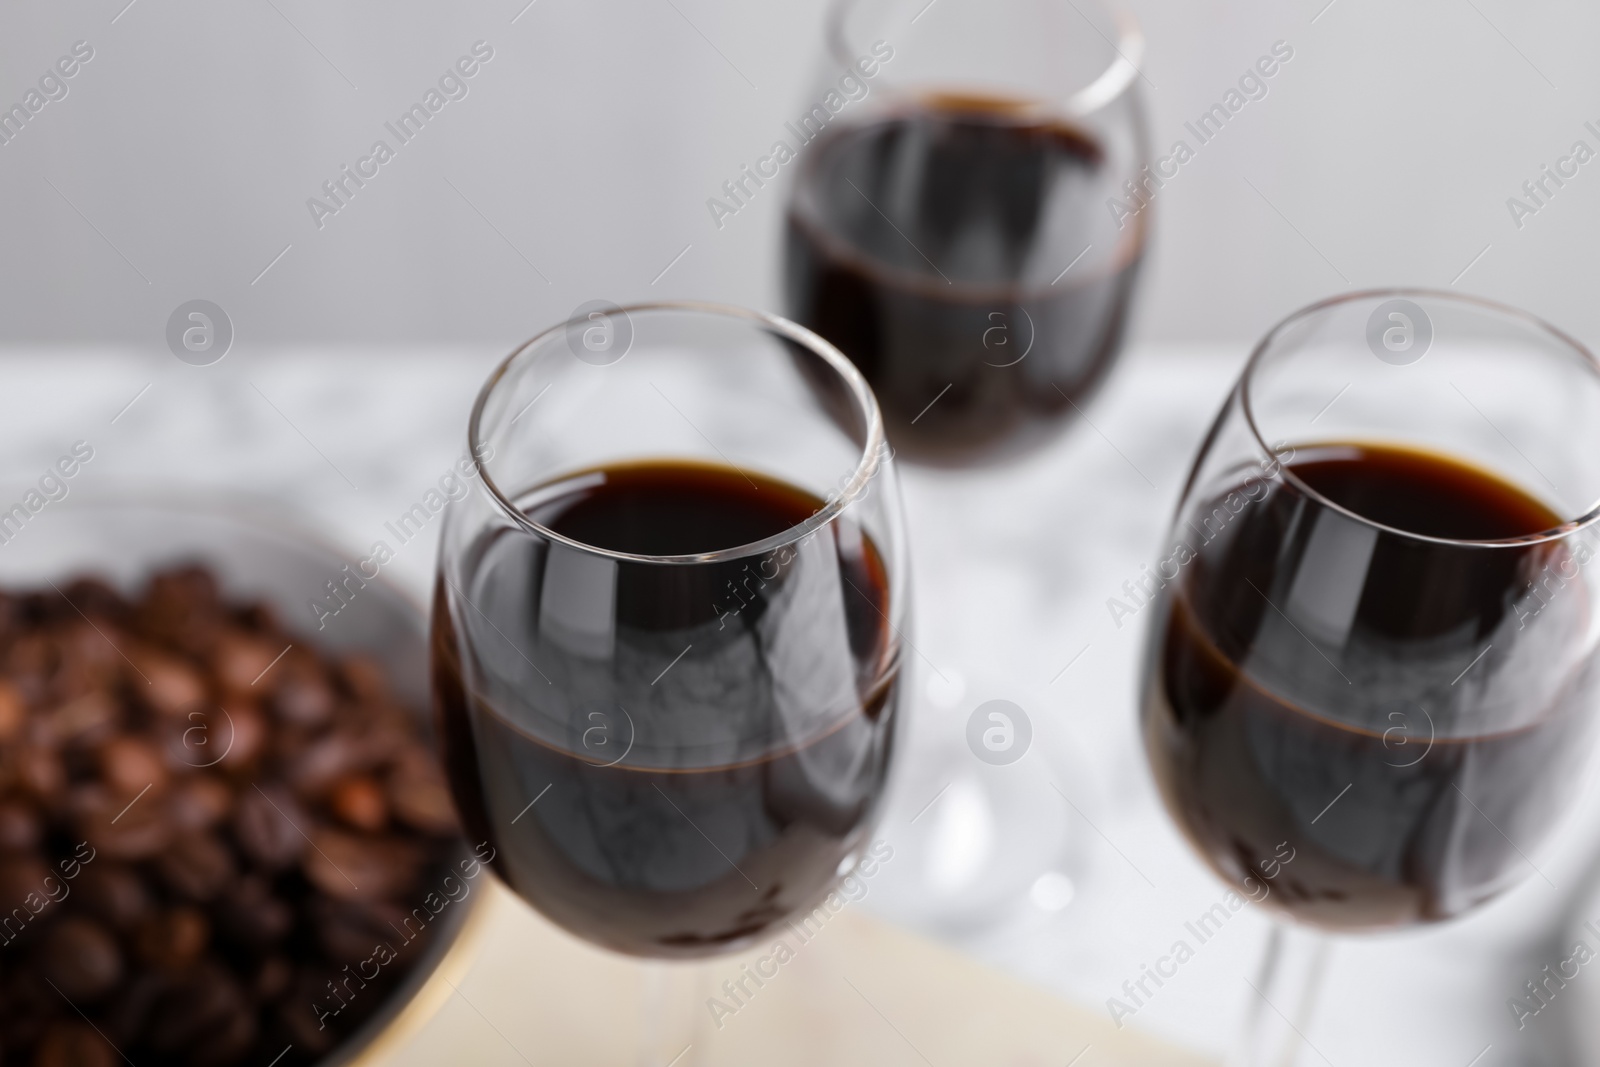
x: 578, y: 166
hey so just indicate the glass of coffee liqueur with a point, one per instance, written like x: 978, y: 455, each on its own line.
x: 1372, y: 678
x: 666, y: 632
x: 971, y: 203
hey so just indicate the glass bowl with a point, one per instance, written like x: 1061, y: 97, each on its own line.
x: 259, y: 553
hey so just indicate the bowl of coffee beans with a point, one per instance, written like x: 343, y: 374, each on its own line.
x: 225, y: 837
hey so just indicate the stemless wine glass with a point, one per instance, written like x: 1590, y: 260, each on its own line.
x: 1371, y: 675
x: 968, y: 224
x: 666, y: 626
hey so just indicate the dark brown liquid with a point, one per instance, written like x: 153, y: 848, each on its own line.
x: 1319, y: 683
x: 929, y: 247
x: 669, y: 758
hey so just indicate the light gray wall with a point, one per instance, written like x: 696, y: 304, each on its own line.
x: 586, y: 148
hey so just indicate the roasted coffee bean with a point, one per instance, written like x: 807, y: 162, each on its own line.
x: 198, y: 741
x: 228, y: 1039
x: 195, y: 1015
x: 196, y: 866
x: 272, y: 978
x: 31, y: 656
x: 22, y: 875
x: 13, y: 712
x: 40, y: 772
x: 259, y: 617
x: 123, y: 827
x: 251, y: 916
x: 287, y: 745
x: 268, y: 824
x: 244, y: 731
x: 130, y: 765
x: 114, y: 893
x: 302, y: 695
x: 180, y: 607
x: 173, y: 939
x: 73, y: 1044
x: 27, y: 1006
x: 304, y: 1013
x: 420, y: 796
x: 97, y: 598
x: 388, y: 734
x: 240, y: 660
x: 20, y: 828
x: 350, y: 932
x: 365, y: 679
x: 324, y: 762
x: 86, y: 719
x: 200, y: 802
x: 89, y: 656
x: 348, y: 867
x: 358, y: 801
x: 171, y: 687
x: 81, y: 958
x: 132, y: 1005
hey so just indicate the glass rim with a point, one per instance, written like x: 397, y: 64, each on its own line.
x: 1105, y: 88
x: 1539, y: 325
x: 867, y: 466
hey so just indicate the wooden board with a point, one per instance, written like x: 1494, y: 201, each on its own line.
x: 516, y: 990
